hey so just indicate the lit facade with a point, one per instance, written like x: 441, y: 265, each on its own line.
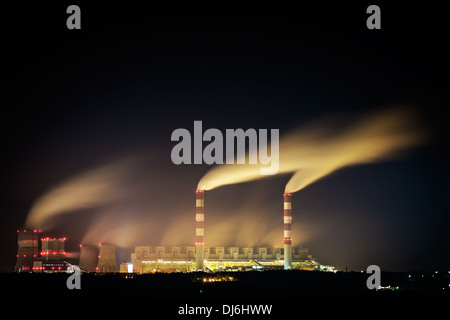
x: 148, y: 259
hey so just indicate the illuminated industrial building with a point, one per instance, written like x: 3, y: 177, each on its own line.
x: 53, y: 248
x: 30, y: 259
x: 148, y: 259
x: 52, y: 256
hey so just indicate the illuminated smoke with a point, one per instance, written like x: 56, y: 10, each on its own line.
x: 376, y: 137
x: 322, y: 147
x: 94, y: 189
x: 108, y: 227
x: 139, y: 202
x: 249, y: 224
x: 109, y: 203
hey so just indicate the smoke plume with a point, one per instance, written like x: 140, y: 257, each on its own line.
x: 94, y: 189
x: 324, y: 146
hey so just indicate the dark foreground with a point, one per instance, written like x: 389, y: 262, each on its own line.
x: 267, y: 285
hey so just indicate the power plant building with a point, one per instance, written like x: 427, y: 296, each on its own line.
x: 30, y: 259
x: 148, y: 259
x: 53, y: 248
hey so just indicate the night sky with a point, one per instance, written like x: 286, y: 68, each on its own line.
x: 110, y: 95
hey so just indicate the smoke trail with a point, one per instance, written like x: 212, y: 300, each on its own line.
x: 94, y: 189
x: 325, y: 146
x: 376, y: 137
x: 117, y: 197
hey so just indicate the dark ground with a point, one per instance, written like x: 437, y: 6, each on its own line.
x: 256, y: 286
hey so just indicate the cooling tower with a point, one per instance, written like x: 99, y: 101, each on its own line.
x: 199, y: 228
x: 88, y: 258
x: 53, y: 248
x: 27, y: 251
x: 287, y: 230
x: 107, y: 258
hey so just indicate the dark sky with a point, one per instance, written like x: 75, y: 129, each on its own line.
x: 76, y: 100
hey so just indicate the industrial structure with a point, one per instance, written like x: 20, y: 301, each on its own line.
x: 27, y: 249
x: 107, y: 258
x: 53, y: 248
x: 147, y: 259
x: 287, y: 239
x: 30, y: 259
x: 88, y: 258
x: 199, y: 228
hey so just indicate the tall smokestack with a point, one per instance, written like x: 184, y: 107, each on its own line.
x: 287, y: 230
x: 199, y: 227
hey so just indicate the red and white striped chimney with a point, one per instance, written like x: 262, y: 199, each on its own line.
x: 287, y: 230
x: 199, y: 228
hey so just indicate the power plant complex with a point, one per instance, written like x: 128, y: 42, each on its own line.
x: 101, y: 258
x: 49, y: 259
